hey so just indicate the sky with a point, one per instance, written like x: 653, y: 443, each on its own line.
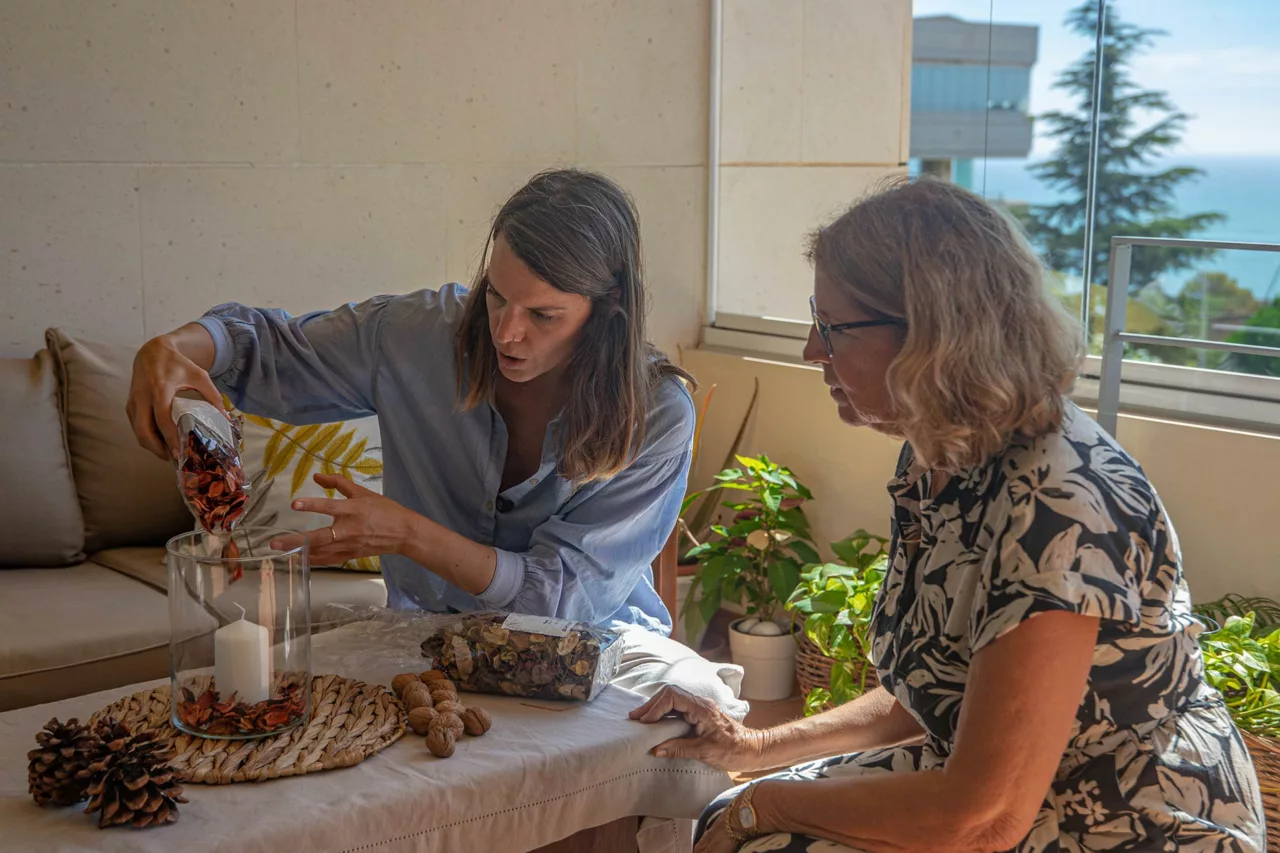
x: 1220, y: 63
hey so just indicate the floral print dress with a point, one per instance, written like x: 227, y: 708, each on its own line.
x: 1065, y: 522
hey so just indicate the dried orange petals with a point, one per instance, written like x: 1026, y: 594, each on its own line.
x: 212, y: 483
x: 207, y: 714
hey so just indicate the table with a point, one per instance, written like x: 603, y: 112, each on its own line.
x: 544, y: 772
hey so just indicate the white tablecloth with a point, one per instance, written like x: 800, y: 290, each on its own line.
x: 541, y: 774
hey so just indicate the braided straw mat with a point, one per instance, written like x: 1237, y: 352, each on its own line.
x: 350, y: 720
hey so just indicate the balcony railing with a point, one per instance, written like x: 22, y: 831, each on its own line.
x: 1115, y: 337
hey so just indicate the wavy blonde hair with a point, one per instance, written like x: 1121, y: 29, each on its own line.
x: 988, y: 351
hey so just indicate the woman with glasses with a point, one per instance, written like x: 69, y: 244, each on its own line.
x: 1041, y: 684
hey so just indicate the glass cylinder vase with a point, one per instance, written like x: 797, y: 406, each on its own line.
x: 239, y: 633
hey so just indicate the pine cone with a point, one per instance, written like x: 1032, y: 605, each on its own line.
x: 130, y: 781
x: 54, y: 774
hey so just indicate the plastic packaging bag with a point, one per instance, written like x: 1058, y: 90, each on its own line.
x: 210, y: 476
x: 519, y: 655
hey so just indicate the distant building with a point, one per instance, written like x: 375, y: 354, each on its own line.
x: 970, y: 94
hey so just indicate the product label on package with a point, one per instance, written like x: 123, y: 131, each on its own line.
x: 538, y: 625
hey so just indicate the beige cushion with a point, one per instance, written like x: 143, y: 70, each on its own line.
x: 40, y: 524
x: 128, y: 497
x: 75, y: 630
x: 330, y: 588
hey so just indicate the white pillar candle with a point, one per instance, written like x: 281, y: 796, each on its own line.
x: 242, y: 662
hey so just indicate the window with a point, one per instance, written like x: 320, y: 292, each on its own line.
x: 1001, y: 101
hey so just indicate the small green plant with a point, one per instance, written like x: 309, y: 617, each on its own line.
x: 1245, y: 669
x: 1266, y: 613
x: 835, y: 601
x: 698, y: 507
x: 755, y: 560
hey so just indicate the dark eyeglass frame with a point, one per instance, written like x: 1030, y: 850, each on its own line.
x: 825, y: 329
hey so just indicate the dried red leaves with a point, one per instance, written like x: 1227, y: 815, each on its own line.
x: 205, y: 713
x: 212, y: 483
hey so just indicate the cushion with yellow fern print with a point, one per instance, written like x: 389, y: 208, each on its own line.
x: 280, y: 460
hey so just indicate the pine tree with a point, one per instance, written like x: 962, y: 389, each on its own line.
x: 1132, y: 198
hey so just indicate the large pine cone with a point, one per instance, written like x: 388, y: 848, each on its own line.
x: 130, y: 781
x: 56, y: 770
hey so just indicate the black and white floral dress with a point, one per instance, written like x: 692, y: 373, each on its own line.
x: 1064, y: 522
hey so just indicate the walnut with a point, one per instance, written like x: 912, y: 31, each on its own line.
x: 401, y: 681
x: 440, y: 739
x: 450, y: 720
x: 420, y: 718
x: 417, y: 698
x: 433, y: 677
x: 476, y: 721
x: 450, y: 706
x: 440, y: 694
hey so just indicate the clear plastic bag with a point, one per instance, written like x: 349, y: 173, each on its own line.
x: 518, y: 655
x: 210, y: 476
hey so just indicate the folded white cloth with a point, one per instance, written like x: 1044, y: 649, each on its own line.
x: 650, y: 661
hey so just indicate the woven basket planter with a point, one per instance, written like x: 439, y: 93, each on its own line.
x: 1265, y: 753
x: 813, y: 668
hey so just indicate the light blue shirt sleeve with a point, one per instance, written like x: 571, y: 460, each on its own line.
x: 315, y: 368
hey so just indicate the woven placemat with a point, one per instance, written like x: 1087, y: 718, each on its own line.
x: 350, y: 720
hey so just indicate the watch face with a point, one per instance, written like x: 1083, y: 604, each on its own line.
x: 746, y: 817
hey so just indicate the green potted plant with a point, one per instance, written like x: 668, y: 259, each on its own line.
x: 699, y: 506
x: 696, y: 514
x: 754, y: 561
x: 1242, y: 662
x: 833, y: 603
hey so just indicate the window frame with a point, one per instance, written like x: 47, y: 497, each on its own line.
x: 1190, y: 394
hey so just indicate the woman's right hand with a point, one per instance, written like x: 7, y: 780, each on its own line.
x: 718, y: 739
x: 161, y: 370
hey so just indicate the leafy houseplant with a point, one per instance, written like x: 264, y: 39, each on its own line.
x: 835, y: 601
x: 1242, y: 662
x: 1244, y: 666
x: 1266, y: 613
x: 698, y: 507
x: 755, y: 560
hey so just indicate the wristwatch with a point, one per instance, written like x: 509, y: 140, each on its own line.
x: 740, y: 817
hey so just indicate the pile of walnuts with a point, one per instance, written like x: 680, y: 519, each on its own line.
x: 434, y: 710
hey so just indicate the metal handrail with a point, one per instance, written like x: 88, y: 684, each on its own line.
x: 1115, y: 337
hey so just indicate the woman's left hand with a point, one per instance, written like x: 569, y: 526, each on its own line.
x: 716, y: 839
x: 365, y: 524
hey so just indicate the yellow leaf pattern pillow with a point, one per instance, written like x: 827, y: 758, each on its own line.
x: 280, y: 459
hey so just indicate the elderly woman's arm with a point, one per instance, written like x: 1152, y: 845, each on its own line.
x: 873, y: 720
x: 1019, y: 707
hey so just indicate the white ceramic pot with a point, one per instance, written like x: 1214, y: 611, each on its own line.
x: 769, y: 663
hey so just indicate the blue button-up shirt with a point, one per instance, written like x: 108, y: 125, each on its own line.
x: 571, y: 552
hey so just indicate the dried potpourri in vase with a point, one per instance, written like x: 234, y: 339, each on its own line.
x: 530, y: 656
x: 202, y: 710
x: 210, y: 475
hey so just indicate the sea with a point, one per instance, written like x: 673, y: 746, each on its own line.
x: 1244, y: 188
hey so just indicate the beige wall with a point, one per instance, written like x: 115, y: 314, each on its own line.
x: 160, y: 156
x: 1219, y: 486
x: 814, y: 111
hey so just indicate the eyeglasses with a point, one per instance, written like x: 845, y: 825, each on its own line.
x: 825, y: 329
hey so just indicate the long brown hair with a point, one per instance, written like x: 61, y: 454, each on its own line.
x: 988, y: 351
x: 579, y: 232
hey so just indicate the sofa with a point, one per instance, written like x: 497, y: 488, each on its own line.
x: 84, y: 518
